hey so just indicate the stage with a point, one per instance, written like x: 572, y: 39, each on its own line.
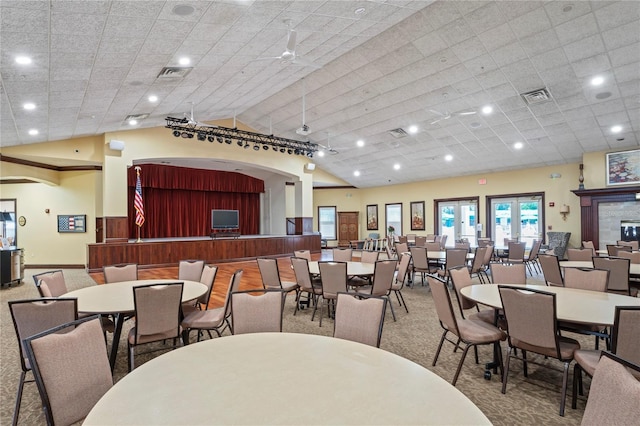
x: 163, y: 252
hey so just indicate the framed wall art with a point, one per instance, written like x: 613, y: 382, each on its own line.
x: 623, y: 168
x: 372, y: 217
x: 417, y: 216
x: 72, y: 223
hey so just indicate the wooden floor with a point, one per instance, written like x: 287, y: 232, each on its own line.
x: 250, y: 277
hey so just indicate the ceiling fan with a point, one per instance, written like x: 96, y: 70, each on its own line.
x: 192, y: 121
x: 327, y: 148
x: 447, y: 115
x: 289, y: 56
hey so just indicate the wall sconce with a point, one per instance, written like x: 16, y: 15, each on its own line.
x: 564, y: 211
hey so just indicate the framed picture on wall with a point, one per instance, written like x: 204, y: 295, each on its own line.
x: 623, y: 168
x: 72, y: 223
x: 417, y: 216
x: 372, y: 217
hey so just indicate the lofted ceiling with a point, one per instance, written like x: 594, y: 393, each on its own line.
x: 385, y: 65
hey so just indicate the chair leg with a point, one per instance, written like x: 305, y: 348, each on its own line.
x: 439, y: 347
x: 403, y: 302
x: 506, y: 371
x: 16, y: 412
x: 577, y: 375
x: 393, y: 314
x: 524, y: 361
x: 475, y: 351
x: 322, y: 310
x: 131, y: 357
x: 295, y: 311
x: 464, y: 355
x: 565, y: 379
x: 185, y: 337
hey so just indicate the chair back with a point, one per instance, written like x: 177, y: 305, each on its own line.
x: 257, y: 311
x: 207, y: 278
x: 269, y: 272
x: 531, y: 316
x: 584, y: 254
x: 157, y: 311
x: 456, y: 257
x: 502, y: 273
x: 443, y: 242
x: 516, y: 251
x: 551, y: 269
x: 463, y: 245
x: 625, y: 335
x: 535, y: 249
x: 444, y: 308
x: 634, y: 257
x: 359, y: 318
x: 419, y: 256
x: 633, y: 244
x: 402, y: 248
x: 478, y: 259
x: 301, y: 271
x: 306, y: 254
x: 483, y: 242
x: 33, y: 316
x: 433, y: 246
x: 613, y: 250
x: 589, y: 245
x: 389, y: 251
x: 342, y: 254
x: 402, y: 239
x: 71, y: 370
x: 461, y: 279
x: 618, y: 273
x: 234, y: 285
x: 420, y: 241
x: 403, y: 267
x: 190, y: 270
x: 383, y: 273
x: 488, y: 255
x: 369, y: 256
x: 586, y: 278
x: 121, y: 272
x: 431, y: 237
x: 334, y: 278
x: 614, y: 393
x: 51, y: 284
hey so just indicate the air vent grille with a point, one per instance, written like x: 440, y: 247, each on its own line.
x: 174, y: 72
x: 136, y: 117
x: 536, y: 96
x: 398, y: 133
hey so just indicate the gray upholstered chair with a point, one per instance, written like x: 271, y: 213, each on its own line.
x: 531, y: 315
x: 634, y: 257
x: 257, y: 311
x: 614, y: 250
x: 615, y: 393
x: 71, y: 369
x: 342, y: 254
x: 212, y: 319
x: 502, y: 273
x: 557, y: 242
x: 550, y: 265
x: 306, y: 284
x: 383, y: 276
x: 157, y: 312
x: 34, y: 316
x: 333, y: 276
x: 50, y: 284
x: 470, y: 332
x: 190, y: 270
x: 120, y: 272
x: 359, y: 318
x: 516, y: 252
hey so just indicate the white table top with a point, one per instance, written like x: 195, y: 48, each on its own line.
x: 353, y: 268
x: 581, y: 306
x: 634, y: 268
x: 282, y: 378
x: 117, y: 298
x: 442, y: 255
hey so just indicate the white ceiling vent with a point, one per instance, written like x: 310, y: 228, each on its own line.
x: 536, y: 96
x: 398, y: 133
x: 136, y: 117
x: 174, y: 72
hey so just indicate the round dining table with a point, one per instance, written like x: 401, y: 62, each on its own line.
x: 575, y: 305
x: 282, y: 378
x: 354, y: 269
x: 117, y: 299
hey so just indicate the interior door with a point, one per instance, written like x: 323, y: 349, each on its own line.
x: 518, y: 217
x: 347, y: 227
x: 457, y: 220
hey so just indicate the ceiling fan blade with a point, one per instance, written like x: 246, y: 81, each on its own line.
x: 437, y: 121
x: 291, y: 41
x: 301, y: 61
x: 467, y: 113
x: 437, y: 113
x: 270, y: 58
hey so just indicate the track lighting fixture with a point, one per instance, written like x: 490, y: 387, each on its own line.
x: 185, y: 128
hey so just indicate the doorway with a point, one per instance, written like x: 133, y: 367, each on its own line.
x: 347, y: 228
x: 457, y: 219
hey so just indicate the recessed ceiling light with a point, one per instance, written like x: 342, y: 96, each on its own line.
x: 29, y: 106
x: 487, y: 109
x: 153, y: 98
x: 356, y: 173
x: 396, y: 166
x: 320, y: 153
x: 184, y: 61
x: 616, y: 129
x: 603, y: 95
x: 183, y: 10
x: 133, y: 122
x: 518, y: 145
x: 360, y: 143
x: 23, y: 60
x: 33, y: 132
x: 360, y: 11
x: 567, y: 8
x: 448, y: 157
x: 597, y: 81
x: 413, y: 129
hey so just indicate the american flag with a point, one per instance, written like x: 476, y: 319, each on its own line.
x: 66, y: 223
x: 138, y: 204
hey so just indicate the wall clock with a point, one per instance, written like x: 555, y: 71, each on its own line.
x: 22, y: 221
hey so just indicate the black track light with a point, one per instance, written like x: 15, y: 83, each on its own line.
x: 246, y: 146
x: 256, y: 148
x: 210, y: 138
x: 202, y: 136
x: 266, y: 147
x: 186, y: 135
x: 220, y: 140
x: 282, y: 150
x: 289, y: 151
x: 228, y: 141
x: 176, y: 133
x: 239, y: 143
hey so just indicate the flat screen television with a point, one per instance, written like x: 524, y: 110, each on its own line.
x: 225, y: 219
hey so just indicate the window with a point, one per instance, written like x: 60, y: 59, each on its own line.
x: 327, y: 222
x: 457, y: 219
x: 393, y: 217
x: 519, y: 216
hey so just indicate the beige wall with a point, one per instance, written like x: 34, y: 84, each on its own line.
x: 512, y: 182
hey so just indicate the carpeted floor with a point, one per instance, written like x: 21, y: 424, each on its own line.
x: 415, y: 336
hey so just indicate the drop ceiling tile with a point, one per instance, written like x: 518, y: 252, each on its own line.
x: 617, y: 13
x: 88, y: 43
x: 584, y: 48
x: 577, y: 29
x: 591, y: 66
x: 78, y: 25
x: 541, y: 42
x: 499, y: 36
x: 558, y: 13
x: 455, y: 32
x: 442, y: 13
x: 622, y: 35
x: 530, y: 23
x: 628, y: 72
x: 625, y: 55
x: 19, y: 20
x: 508, y: 54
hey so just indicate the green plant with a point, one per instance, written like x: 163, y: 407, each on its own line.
x: 391, y: 229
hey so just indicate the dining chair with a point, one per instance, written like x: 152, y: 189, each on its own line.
x: 633, y: 244
x: 157, y: 314
x: 613, y: 250
x: 207, y: 278
x: 400, y: 277
x: 306, y: 284
x: 460, y: 278
x: 401, y: 248
x: 120, y: 272
x: 369, y: 257
x: 190, y: 269
x: 468, y: 331
x: 532, y: 319
x: 51, y: 283
x: 531, y: 259
x: 306, y: 254
x: 634, y: 257
x: 488, y: 255
x: 477, y: 266
x: 359, y: 318
x: 463, y: 246
x: 271, y: 276
x: 581, y: 254
x: 589, y: 245
x: 454, y: 258
x: 618, y: 273
x: 217, y: 319
x: 516, y: 252
x: 333, y: 276
x: 483, y: 242
x: 443, y: 242
x: 551, y: 271
x: 402, y: 239
x: 342, y: 254
x: 502, y: 273
x: 388, y: 248
x: 420, y: 263
x: 433, y: 246
x: 33, y: 316
x: 257, y: 310
x: 71, y: 369
x: 615, y: 392
x: 383, y: 275
x: 625, y: 342
x: 420, y: 241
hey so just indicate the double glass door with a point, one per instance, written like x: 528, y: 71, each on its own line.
x: 516, y: 218
x: 457, y: 220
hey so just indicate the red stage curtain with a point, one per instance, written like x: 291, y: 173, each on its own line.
x: 178, y: 200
